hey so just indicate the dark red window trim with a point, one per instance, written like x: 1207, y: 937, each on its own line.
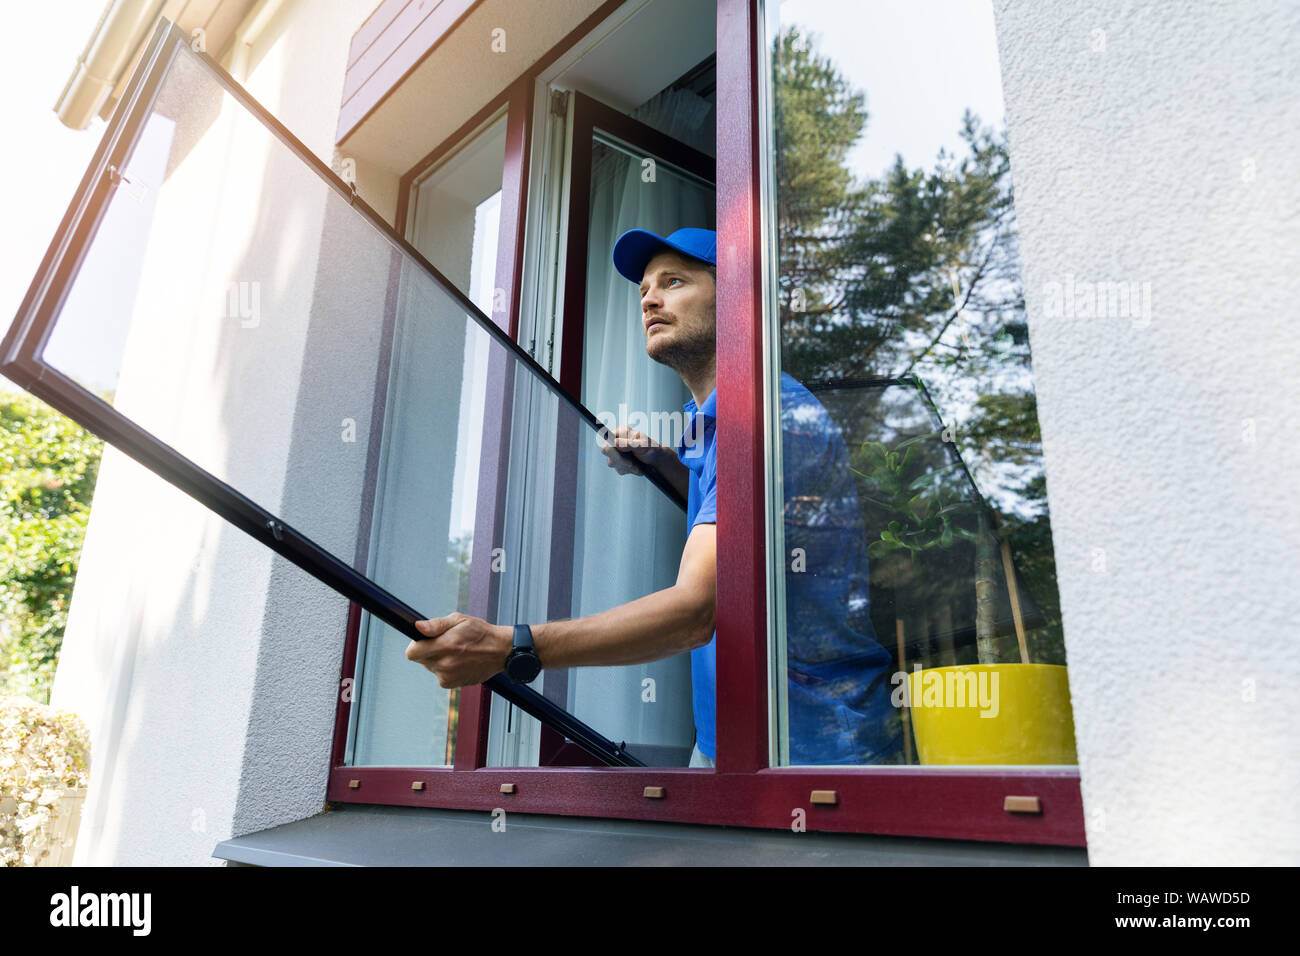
x: 742, y: 539
x: 900, y: 801
x: 743, y: 790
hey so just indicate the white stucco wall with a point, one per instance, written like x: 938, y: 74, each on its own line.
x: 205, y: 666
x: 1157, y: 143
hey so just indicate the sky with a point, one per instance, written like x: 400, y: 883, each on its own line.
x: 920, y: 63
x: 43, y: 160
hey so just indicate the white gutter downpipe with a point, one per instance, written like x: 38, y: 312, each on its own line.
x: 111, y: 47
x: 249, y: 31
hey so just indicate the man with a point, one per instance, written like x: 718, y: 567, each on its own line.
x: 838, y: 691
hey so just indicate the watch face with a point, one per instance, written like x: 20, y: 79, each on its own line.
x: 523, y: 667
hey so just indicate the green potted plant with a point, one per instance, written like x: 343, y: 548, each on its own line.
x: 990, y: 712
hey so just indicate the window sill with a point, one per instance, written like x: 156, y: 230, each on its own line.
x: 370, y: 835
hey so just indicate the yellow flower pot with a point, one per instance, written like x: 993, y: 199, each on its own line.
x: 992, y: 714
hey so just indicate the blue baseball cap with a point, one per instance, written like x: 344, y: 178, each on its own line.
x: 635, y: 248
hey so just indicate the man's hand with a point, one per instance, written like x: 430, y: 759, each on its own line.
x: 461, y: 650
x: 642, y: 449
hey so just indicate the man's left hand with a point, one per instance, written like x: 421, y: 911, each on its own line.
x: 460, y: 649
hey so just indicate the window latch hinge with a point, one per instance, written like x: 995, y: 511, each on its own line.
x: 134, y: 188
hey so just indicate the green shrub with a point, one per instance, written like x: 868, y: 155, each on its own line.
x: 43, y: 752
x: 48, y: 469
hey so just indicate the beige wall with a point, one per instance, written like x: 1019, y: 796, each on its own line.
x: 296, y: 71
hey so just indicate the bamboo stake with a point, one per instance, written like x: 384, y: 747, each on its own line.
x: 985, y: 592
x: 906, y: 716
x: 1014, y: 593
x: 453, y: 722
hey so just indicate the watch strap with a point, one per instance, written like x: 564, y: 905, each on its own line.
x: 523, y: 636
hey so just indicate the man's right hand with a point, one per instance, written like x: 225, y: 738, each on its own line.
x: 638, y: 445
x: 642, y: 449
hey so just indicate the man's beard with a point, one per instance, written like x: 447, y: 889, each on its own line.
x: 686, y: 353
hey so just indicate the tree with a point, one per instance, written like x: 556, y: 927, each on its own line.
x: 915, y: 273
x: 48, y: 469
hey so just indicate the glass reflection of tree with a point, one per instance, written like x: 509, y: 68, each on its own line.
x: 915, y: 273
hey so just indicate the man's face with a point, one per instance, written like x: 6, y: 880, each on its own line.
x: 677, y: 311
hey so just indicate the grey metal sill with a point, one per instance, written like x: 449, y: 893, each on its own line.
x: 370, y: 835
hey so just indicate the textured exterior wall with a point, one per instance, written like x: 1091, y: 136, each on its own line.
x: 207, y: 667
x: 1156, y: 143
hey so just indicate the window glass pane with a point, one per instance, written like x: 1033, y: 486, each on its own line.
x: 245, y: 314
x: 455, y: 223
x: 910, y: 503
x: 457, y: 213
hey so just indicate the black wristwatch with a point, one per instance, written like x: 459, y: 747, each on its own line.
x: 522, y: 666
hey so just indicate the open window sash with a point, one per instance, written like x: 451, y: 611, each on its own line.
x: 223, y: 308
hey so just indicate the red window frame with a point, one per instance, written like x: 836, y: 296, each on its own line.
x: 743, y: 790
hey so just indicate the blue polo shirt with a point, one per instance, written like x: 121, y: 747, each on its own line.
x: 698, y: 451
x: 839, y: 687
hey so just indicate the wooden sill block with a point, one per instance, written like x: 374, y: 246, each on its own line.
x: 1021, y: 805
x: 354, y: 784
x: 507, y: 788
x: 653, y: 793
x: 825, y: 798
x: 417, y: 784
